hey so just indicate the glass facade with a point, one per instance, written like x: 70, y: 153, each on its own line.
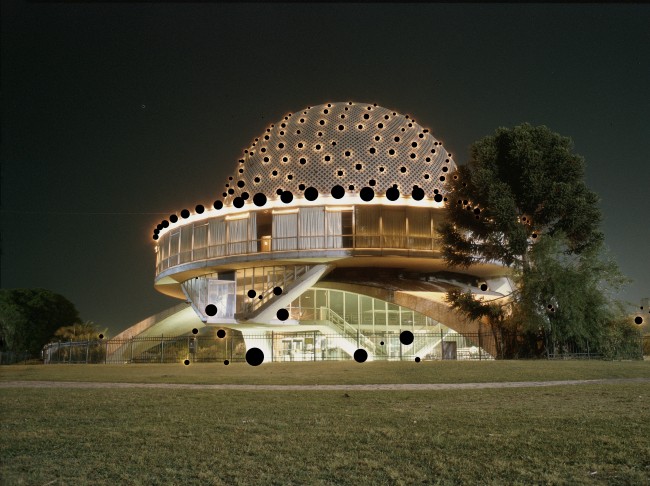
x: 304, y: 229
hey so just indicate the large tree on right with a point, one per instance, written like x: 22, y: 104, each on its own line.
x: 520, y: 186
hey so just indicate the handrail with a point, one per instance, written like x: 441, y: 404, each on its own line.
x: 287, y: 277
x: 342, y: 324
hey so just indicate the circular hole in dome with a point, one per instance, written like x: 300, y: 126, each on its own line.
x: 238, y: 202
x: 341, y: 127
x: 358, y: 167
x: 329, y: 105
x: 326, y: 111
x: 173, y: 218
x: 346, y: 108
x: 300, y: 145
x: 231, y: 191
x: 351, y: 187
x: 285, y: 159
x: 311, y: 194
x: 380, y: 125
x: 386, y: 117
x: 224, y: 194
x: 340, y: 173
x: 442, y: 178
x: 421, y: 135
x: 426, y: 176
x: 289, y: 177
x: 241, y: 184
x: 241, y: 171
x: 414, y: 144
x: 372, y: 150
x: 284, y: 124
x: 303, y: 161
x: 367, y: 194
x: 397, y: 139
x: 286, y: 197
x: 381, y: 169
x: 327, y: 158
x: 275, y: 172
x: 338, y: 192
x: 185, y: 213
x: 410, y: 125
x: 259, y: 199
x: 229, y: 178
x: 297, y: 132
x: 366, y: 116
x: 266, y: 137
x: 347, y: 153
x: 318, y: 147
x: 342, y: 116
x: 392, y: 193
x: 403, y: 129
x: 445, y: 169
x: 322, y: 122
x: 199, y: 209
x: 302, y: 120
x: 278, y: 192
x: 266, y: 159
x: 377, y: 138
x: 165, y: 223
x: 417, y: 193
x: 391, y: 152
x: 428, y: 159
x: 257, y: 180
x: 402, y: 170
x: 320, y: 134
x: 301, y: 187
x: 280, y: 145
x: 263, y: 149
x: 437, y: 198
x: 412, y: 156
x: 360, y: 127
x: 372, y: 182
x: 159, y: 227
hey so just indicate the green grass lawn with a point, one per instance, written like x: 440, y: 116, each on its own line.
x: 336, y: 372
x: 587, y: 434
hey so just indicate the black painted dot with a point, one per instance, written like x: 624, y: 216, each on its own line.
x: 311, y: 194
x: 275, y: 172
x: 347, y: 153
x: 186, y: 362
x: 367, y: 194
x: 338, y: 192
x: 397, y: 139
x: 382, y: 343
x: 372, y: 182
x: 282, y: 314
x: 238, y: 202
x: 351, y: 187
x: 159, y: 227
x: 412, y: 156
x: 211, y: 310
x: 101, y: 336
x: 231, y: 191
x: 155, y: 237
x: 259, y: 199
x: 380, y: 125
x: 381, y: 169
x: 266, y: 159
x: 318, y: 147
x: 417, y: 193
x: 280, y: 145
x: 279, y: 192
x: 245, y: 196
x: 341, y: 127
x: 285, y: 159
x: 165, y: 223
x: 391, y: 152
x: 392, y: 193
x: 372, y: 150
x: 437, y: 198
x: 406, y: 337
x: 426, y: 176
x: 195, y: 331
x: 277, y: 290
x: 366, y: 116
x: 251, y: 294
x: 358, y: 167
x: 156, y: 231
x: 286, y: 197
x: 173, y: 218
x: 360, y: 355
x: 484, y: 287
x: 402, y: 170
x: 185, y: 213
x: 638, y: 320
x: 254, y: 356
x: 322, y: 122
x: 226, y: 362
x: 221, y: 333
x: 417, y: 359
x: 340, y: 173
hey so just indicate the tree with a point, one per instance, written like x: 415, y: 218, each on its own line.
x: 29, y: 317
x: 522, y: 186
x: 82, y: 331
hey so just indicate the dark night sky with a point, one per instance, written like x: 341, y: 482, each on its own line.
x: 86, y: 169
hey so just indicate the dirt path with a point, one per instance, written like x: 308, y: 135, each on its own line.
x: 375, y: 387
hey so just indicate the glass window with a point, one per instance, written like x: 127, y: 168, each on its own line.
x: 419, y: 221
x: 367, y: 227
x: 200, y: 242
x: 217, y: 238
x: 285, y: 231
x: 393, y: 228
x: 237, y: 235
x: 352, y: 308
x: 311, y: 228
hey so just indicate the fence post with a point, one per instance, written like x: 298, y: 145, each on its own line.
x: 588, y: 355
x: 162, y: 348
x: 271, y: 346
x: 87, y: 345
x: 131, y: 350
x: 480, y: 343
x: 442, y: 346
x: 106, y: 353
x: 314, y: 346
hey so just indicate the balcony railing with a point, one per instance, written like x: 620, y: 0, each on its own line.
x: 377, y: 243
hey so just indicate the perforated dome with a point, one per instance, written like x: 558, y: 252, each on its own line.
x: 353, y: 145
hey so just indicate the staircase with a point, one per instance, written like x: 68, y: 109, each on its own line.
x: 288, y: 276
x: 346, y: 330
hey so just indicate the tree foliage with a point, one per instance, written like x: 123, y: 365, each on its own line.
x: 29, y: 317
x: 518, y: 184
x: 82, y: 331
x: 521, y: 201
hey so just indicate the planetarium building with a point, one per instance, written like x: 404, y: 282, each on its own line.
x: 322, y: 244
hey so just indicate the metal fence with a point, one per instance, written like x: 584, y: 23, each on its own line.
x: 307, y: 346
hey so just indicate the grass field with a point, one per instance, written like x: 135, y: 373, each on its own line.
x: 587, y: 434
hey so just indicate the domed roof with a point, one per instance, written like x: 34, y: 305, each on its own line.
x: 347, y: 144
